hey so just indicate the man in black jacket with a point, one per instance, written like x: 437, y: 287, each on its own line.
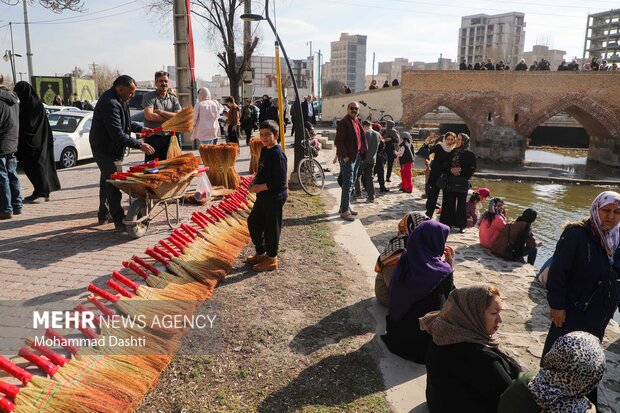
x: 10, y: 196
x: 109, y: 136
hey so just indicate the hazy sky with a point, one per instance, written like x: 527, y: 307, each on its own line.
x: 122, y: 35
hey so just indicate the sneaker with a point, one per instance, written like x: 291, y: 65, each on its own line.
x: 384, y: 190
x: 388, y: 180
x: 347, y: 216
x: 352, y: 211
x: 17, y: 211
x: 256, y: 259
x: 9, y: 215
x: 267, y: 264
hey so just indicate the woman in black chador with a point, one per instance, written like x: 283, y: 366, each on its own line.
x: 35, y: 151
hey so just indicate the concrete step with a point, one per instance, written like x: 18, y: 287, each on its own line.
x: 321, y: 139
x: 327, y: 145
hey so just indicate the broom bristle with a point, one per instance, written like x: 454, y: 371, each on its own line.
x: 174, y: 149
x: 183, y: 121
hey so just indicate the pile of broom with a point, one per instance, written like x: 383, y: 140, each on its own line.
x: 156, y: 173
x: 177, y: 275
x: 221, y: 161
x: 256, y: 145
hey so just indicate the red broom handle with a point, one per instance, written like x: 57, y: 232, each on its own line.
x: 169, y: 248
x: 214, y: 214
x: 147, y: 134
x: 120, y: 277
x: 187, y: 232
x: 134, y: 267
x: 118, y: 288
x: 14, y: 370
x: 88, y: 332
x: 48, y: 367
x: 190, y: 230
x: 151, y: 252
x: 9, y: 389
x: 165, y: 254
x: 6, y: 406
x: 176, y: 242
x: 102, y: 307
x: 51, y: 334
x: 196, y: 220
x: 220, y: 211
x: 146, y: 265
x: 81, y: 309
x: 205, y: 217
x: 227, y: 208
x: 50, y: 354
x: 92, y: 288
x: 177, y: 232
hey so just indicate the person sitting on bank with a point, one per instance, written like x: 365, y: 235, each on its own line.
x: 467, y: 369
x: 271, y: 186
x: 388, y: 259
x: 420, y: 284
x: 569, y: 372
x: 516, y: 239
x: 492, y: 222
x: 475, y: 200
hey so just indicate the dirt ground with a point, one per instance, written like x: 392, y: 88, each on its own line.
x: 295, y: 340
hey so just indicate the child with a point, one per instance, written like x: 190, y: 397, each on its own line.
x: 406, y: 162
x: 270, y: 185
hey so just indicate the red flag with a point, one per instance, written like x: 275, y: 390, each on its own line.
x: 190, y: 38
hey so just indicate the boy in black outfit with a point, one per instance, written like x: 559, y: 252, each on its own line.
x: 270, y: 185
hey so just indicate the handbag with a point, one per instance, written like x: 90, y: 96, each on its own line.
x: 392, y: 252
x: 458, y: 184
x: 424, y: 151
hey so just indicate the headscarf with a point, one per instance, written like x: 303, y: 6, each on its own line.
x: 204, y: 94
x: 411, y: 220
x: 406, y: 136
x: 569, y: 371
x: 420, y: 268
x: 445, y: 146
x: 456, y: 160
x: 609, y: 238
x: 32, y: 118
x: 461, y: 320
x: 390, y: 124
x: 492, y: 210
x: 529, y: 216
x: 484, y: 192
x: 376, y: 126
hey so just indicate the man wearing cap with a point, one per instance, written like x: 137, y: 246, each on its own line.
x: 351, y: 147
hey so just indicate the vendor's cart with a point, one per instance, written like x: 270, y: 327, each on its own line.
x: 146, y: 203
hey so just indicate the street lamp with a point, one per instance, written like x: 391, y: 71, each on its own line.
x: 10, y: 56
x: 298, y: 118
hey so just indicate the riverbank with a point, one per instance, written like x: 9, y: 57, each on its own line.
x: 525, y: 321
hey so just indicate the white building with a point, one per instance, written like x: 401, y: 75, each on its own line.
x: 395, y: 68
x: 603, y: 36
x: 348, y: 61
x: 497, y: 37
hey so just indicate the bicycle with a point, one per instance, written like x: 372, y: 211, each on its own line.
x: 309, y: 171
x: 370, y: 117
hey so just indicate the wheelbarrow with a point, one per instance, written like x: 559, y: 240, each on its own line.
x: 145, y: 203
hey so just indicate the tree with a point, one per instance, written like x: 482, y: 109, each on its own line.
x: 223, y: 32
x: 57, y: 6
x: 333, y: 88
x: 104, y: 77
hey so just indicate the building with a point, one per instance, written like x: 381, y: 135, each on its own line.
x: 395, y: 68
x: 603, y: 36
x: 497, y: 37
x: 326, y: 72
x: 538, y: 52
x: 265, y: 79
x: 348, y: 61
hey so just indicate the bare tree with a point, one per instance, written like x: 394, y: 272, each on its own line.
x: 223, y: 31
x: 57, y: 6
x: 104, y: 77
x: 333, y: 88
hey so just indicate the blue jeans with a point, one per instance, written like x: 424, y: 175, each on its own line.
x: 11, y: 198
x: 349, y: 173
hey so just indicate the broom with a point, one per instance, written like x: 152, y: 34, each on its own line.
x: 51, y: 396
x: 169, y: 283
x: 80, y: 378
x: 174, y: 149
x: 224, y: 239
x: 218, y: 233
x: 182, y: 121
x: 204, y: 251
x: 221, y: 161
x: 96, y: 373
x: 211, y: 262
x: 256, y: 145
x: 207, y: 277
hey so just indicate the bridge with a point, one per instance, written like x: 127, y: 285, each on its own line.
x: 502, y: 109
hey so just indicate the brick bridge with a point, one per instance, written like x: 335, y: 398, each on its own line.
x: 502, y: 109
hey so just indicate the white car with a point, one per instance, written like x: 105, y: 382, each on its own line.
x: 52, y: 109
x: 70, y: 129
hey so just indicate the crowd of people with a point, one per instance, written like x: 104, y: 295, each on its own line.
x: 452, y: 329
x: 541, y: 65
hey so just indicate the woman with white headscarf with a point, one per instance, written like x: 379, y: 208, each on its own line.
x: 582, y: 286
x: 206, y: 114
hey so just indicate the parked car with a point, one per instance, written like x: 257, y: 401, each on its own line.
x: 135, y: 103
x: 51, y: 109
x: 70, y: 129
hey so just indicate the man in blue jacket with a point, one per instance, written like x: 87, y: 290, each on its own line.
x: 109, y: 136
x: 10, y: 195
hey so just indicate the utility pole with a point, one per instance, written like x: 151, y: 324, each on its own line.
x: 20, y: 75
x: 311, y: 71
x: 246, y: 85
x: 320, y: 82
x: 94, y: 66
x: 373, y: 65
x: 28, y: 48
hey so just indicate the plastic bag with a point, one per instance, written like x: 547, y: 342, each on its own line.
x: 203, y: 189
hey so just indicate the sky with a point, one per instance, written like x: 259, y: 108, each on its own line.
x: 123, y: 35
